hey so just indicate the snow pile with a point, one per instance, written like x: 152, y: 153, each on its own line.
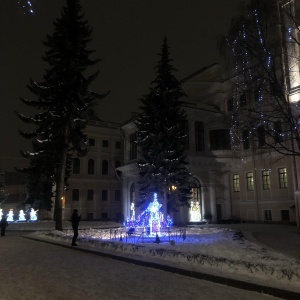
x: 221, y: 251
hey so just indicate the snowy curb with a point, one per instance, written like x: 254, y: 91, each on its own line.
x: 268, y: 267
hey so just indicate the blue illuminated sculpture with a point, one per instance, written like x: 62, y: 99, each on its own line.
x: 151, y: 219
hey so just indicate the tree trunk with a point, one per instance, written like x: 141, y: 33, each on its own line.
x: 60, y: 183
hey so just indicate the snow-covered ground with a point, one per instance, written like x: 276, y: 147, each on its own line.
x: 218, y: 251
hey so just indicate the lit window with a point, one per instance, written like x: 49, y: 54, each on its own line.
x: 282, y: 173
x: 236, y: 182
x: 266, y: 179
x: 250, y: 181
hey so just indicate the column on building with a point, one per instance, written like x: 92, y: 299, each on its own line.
x: 212, y: 195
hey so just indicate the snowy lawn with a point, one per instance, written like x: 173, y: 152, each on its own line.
x: 218, y: 251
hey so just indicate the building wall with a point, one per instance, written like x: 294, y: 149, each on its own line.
x: 105, y: 144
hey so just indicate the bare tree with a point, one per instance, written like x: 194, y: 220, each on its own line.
x: 264, y: 54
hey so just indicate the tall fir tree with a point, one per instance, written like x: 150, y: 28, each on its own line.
x: 63, y: 101
x: 162, y: 139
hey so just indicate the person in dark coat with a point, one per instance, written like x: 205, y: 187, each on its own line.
x: 75, y: 219
x: 3, y: 225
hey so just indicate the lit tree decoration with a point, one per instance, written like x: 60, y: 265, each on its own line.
x: 26, y: 5
x: 266, y: 81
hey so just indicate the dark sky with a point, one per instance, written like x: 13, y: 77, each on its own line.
x: 127, y: 36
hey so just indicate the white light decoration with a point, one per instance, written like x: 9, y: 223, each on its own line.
x: 22, y: 216
x: 10, y: 215
x: 33, y: 215
x: 195, y: 214
x: 26, y: 5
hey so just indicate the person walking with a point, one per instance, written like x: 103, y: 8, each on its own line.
x: 75, y: 219
x: 3, y: 225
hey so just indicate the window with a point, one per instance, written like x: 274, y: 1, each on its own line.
x: 219, y: 139
x: 92, y: 142
x: 282, y: 173
x: 76, y: 165
x: 236, y: 182
x: 90, y: 195
x: 104, y: 216
x: 105, y: 143
x: 268, y: 215
x: 104, y: 167
x: 133, y: 146
x: 243, y: 100
x: 250, y: 181
x: 261, y: 136
x: 91, y: 166
x: 266, y: 179
x: 258, y: 94
x: 75, y: 195
x: 285, y: 215
x: 104, y: 195
x: 246, y: 139
x: 118, y: 145
x: 117, y: 195
x: 199, y: 136
x: 230, y: 104
x: 278, y: 132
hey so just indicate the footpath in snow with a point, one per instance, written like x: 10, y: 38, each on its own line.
x: 211, y: 250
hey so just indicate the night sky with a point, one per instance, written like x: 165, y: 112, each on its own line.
x: 127, y: 36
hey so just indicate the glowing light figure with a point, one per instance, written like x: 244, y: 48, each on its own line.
x: 33, y: 215
x: 22, y: 216
x: 1, y: 213
x: 195, y: 214
x: 10, y: 215
x: 155, y: 217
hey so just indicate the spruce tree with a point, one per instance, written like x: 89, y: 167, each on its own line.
x: 63, y: 100
x: 162, y: 140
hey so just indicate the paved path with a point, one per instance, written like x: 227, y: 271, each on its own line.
x: 282, y: 238
x: 39, y: 271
